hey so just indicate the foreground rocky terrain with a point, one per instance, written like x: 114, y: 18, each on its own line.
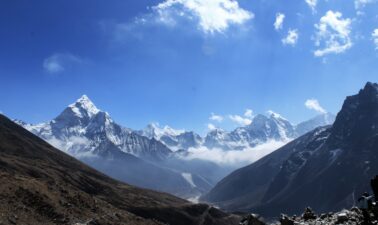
x: 41, y: 185
x: 353, y: 216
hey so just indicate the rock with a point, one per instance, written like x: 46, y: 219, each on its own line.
x: 342, y: 217
x: 252, y: 219
x: 93, y: 222
x: 323, y: 216
x: 285, y: 220
x: 12, y: 220
x: 374, y: 186
x: 355, y: 209
x: 308, y: 214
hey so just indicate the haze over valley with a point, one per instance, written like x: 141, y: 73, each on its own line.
x: 189, y: 112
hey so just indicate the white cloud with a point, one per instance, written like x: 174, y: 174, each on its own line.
x: 212, y: 15
x: 216, y: 118
x: 59, y: 62
x: 313, y: 104
x: 312, y: 4
x: 332, y: 34
x: 248, y: 113
x: 244, y: 120
x: 358, y: 4
x: 278, y: 23
x: 375, y: 38
x: 240, y: 120
x: 71, y: 146
x: 291, y: 38
x: 211, y: 126
x: 237, y: 158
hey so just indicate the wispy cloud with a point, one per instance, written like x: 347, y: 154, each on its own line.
x: 312, y: 4
x: 278, y: 23
x: 333, y: 34
x: 234, y: 157
x: 359, y: 4
x: 212, y: 15
x: 314, y: 104
x: 211, y: 126
x: 375, y: 38
x: 243, y: 120
x: 216, y: 118
x: 248, y: 113
x: 59, y: 62
x: 240, y: 120
x: 291, y: 38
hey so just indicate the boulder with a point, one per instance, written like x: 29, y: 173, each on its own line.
x: 308, y: 214
x: 252, y: 219
x: 285, y: 220
x: 342, y: 217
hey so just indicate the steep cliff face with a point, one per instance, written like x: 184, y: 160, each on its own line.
x: 326, y: 168
x: 81, y: 129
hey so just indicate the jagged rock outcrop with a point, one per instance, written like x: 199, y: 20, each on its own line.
x: 326, y: 168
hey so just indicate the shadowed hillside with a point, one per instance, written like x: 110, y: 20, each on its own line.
x: 42, y: 185
x: 327, y: 168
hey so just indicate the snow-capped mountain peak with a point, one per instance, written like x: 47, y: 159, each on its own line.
x: 153, y: 130
x: 264, y: 128
x: 261, y: 130
x: 169, y: 130
x: 82, y: 129
x: 275, y: 115
x: 219, y: 138
x: 258, y: 120
x: 84, y: 107
x: 328, y: 156
x: 173, y: 138
x: 218, y: 134
x: 82, y: 120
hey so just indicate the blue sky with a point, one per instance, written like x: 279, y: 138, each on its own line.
x: 178, y: 61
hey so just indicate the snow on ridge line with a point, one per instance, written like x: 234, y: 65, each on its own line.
x: 86, y: 104
x: 154, y: 130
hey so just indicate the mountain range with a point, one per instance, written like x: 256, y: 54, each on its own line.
x: 81, y: 130
x: 327, y: 168
x: 155, y: 157
x: 261, y: 130
x: 174, y: 139
x: 89, y: 134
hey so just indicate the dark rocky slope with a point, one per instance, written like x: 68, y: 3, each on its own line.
x: 325, y: 169
x: 41, y: 185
